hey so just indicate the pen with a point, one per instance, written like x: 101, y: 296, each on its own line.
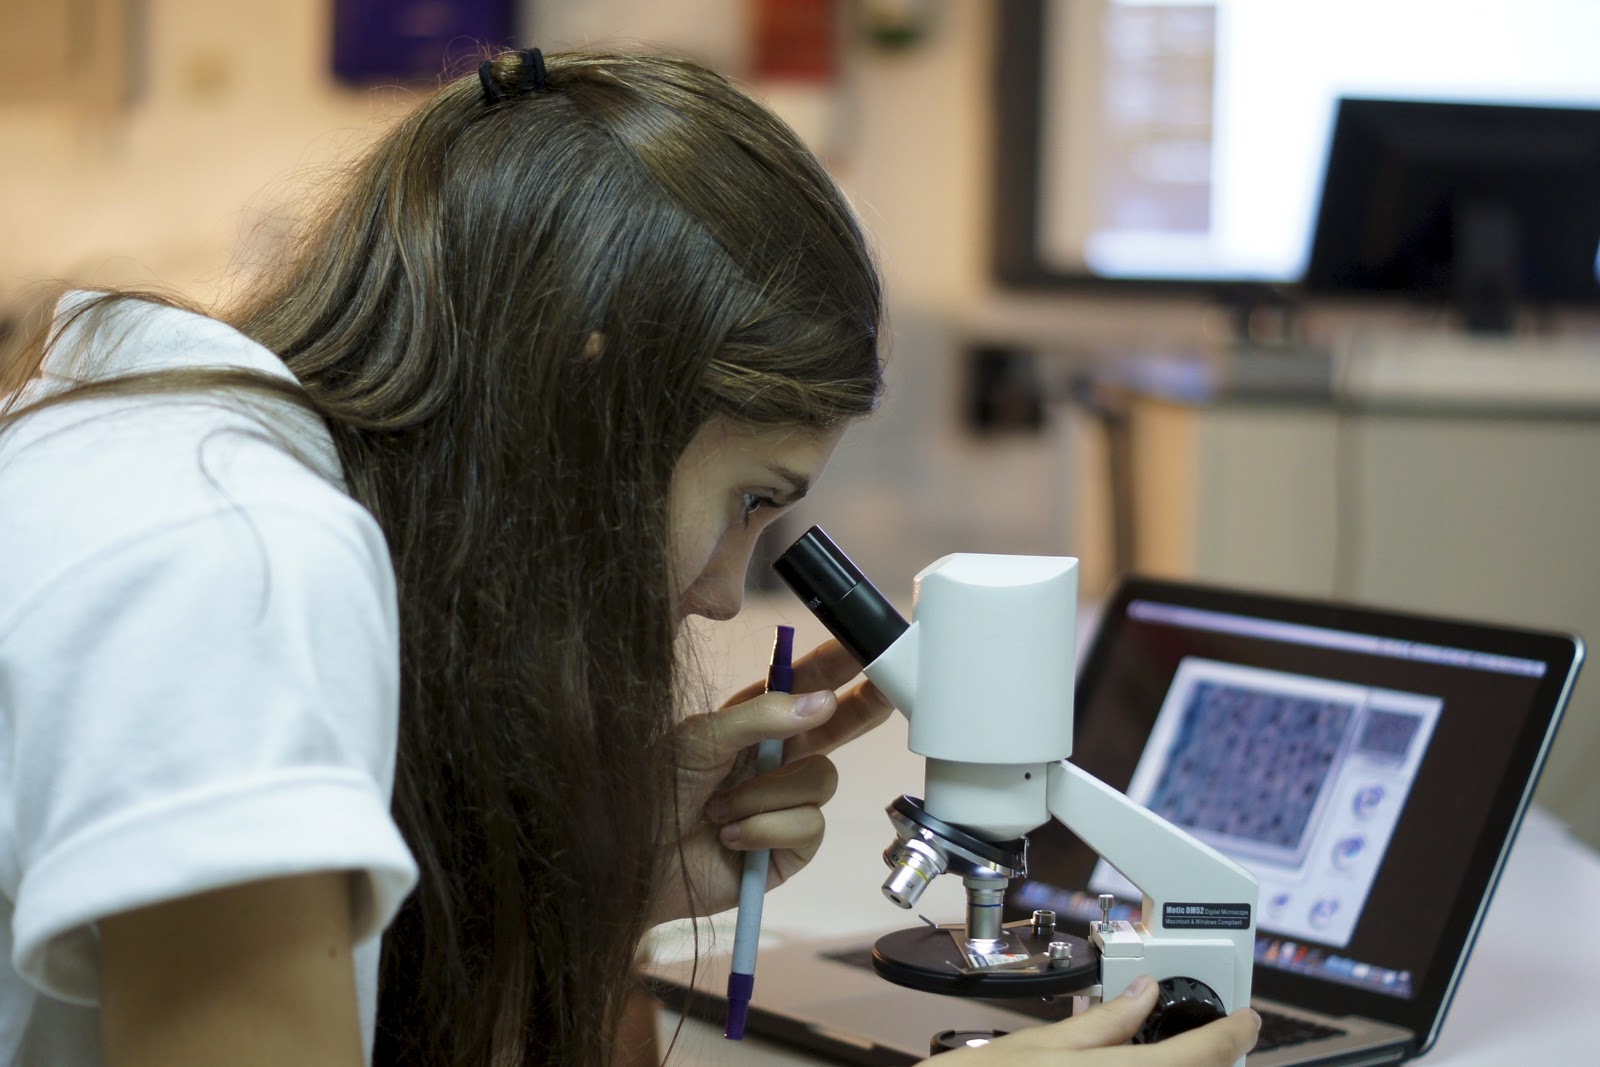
x: 753, y: 883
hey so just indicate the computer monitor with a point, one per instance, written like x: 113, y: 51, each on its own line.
x: 1486, y: 207
x: 1155, y: 145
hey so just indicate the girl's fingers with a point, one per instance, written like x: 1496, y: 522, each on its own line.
x: 828, y: 666
x: 1098, y: 1036
x: 797, y: 830
x: 861, y: 709
x: 1113, y: 1022
x: 752, y: 714
x: 806, y: 782
x: 716, y: 738
x: 1108, y: 1023
x: 1221, y: 1043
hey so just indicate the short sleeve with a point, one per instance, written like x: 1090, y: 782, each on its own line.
x: 206, y: 703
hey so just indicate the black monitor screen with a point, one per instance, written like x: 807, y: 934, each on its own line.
x: 1485, y: 206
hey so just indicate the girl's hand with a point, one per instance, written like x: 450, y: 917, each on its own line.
x: 1096, y: 1039
x: 722, y: 813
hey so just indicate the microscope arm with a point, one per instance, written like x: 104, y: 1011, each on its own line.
x: 1193, y: 894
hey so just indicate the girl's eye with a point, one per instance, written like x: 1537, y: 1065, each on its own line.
x: 754, y: 503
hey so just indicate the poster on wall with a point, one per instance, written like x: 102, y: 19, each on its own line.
x: 416, y: 40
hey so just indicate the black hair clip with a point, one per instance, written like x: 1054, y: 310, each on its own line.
x: 531, y: 76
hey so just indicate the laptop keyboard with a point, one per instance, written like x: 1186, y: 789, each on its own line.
x: 1280, y: 1031
x: 1277, y: 1030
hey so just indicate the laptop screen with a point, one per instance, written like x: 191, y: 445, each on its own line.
x: 1367, y: 767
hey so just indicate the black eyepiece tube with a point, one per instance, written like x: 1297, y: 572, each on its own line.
x: 837, y: 593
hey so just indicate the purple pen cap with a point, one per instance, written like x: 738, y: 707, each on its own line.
x: 740, y: 988
x: 780, y: 675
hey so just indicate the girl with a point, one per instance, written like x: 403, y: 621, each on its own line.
x: 354, y: 610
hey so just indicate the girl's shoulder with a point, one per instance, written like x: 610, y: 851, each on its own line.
x: 82, y: 479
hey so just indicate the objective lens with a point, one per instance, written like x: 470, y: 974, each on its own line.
x: 912, y: 866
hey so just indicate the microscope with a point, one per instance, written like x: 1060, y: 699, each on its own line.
x: 985, y: 673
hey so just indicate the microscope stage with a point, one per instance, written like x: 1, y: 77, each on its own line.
x: 930, y: 959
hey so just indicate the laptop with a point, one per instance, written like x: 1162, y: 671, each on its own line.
x: 1370, y: 767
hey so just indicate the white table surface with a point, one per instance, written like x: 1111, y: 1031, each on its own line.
x: 1528, y: 996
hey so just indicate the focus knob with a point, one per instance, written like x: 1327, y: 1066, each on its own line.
x: 1182, y: 1005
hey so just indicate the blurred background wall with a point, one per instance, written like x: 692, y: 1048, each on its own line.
x: 190, y: 165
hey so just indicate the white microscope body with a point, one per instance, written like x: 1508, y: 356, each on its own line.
x: 985, y: 674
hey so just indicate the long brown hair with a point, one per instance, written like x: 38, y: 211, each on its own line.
x: 513, y: 321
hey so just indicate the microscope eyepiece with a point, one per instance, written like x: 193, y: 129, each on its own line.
x: 839, y: 595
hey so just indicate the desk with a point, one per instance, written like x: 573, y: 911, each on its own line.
x: 1527, y: 996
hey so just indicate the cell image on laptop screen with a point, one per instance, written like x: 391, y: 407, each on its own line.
x: 1298, y: 778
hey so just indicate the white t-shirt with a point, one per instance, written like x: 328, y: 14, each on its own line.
x: 198, y: 669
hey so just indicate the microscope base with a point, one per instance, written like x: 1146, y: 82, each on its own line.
x: 929, y: 960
